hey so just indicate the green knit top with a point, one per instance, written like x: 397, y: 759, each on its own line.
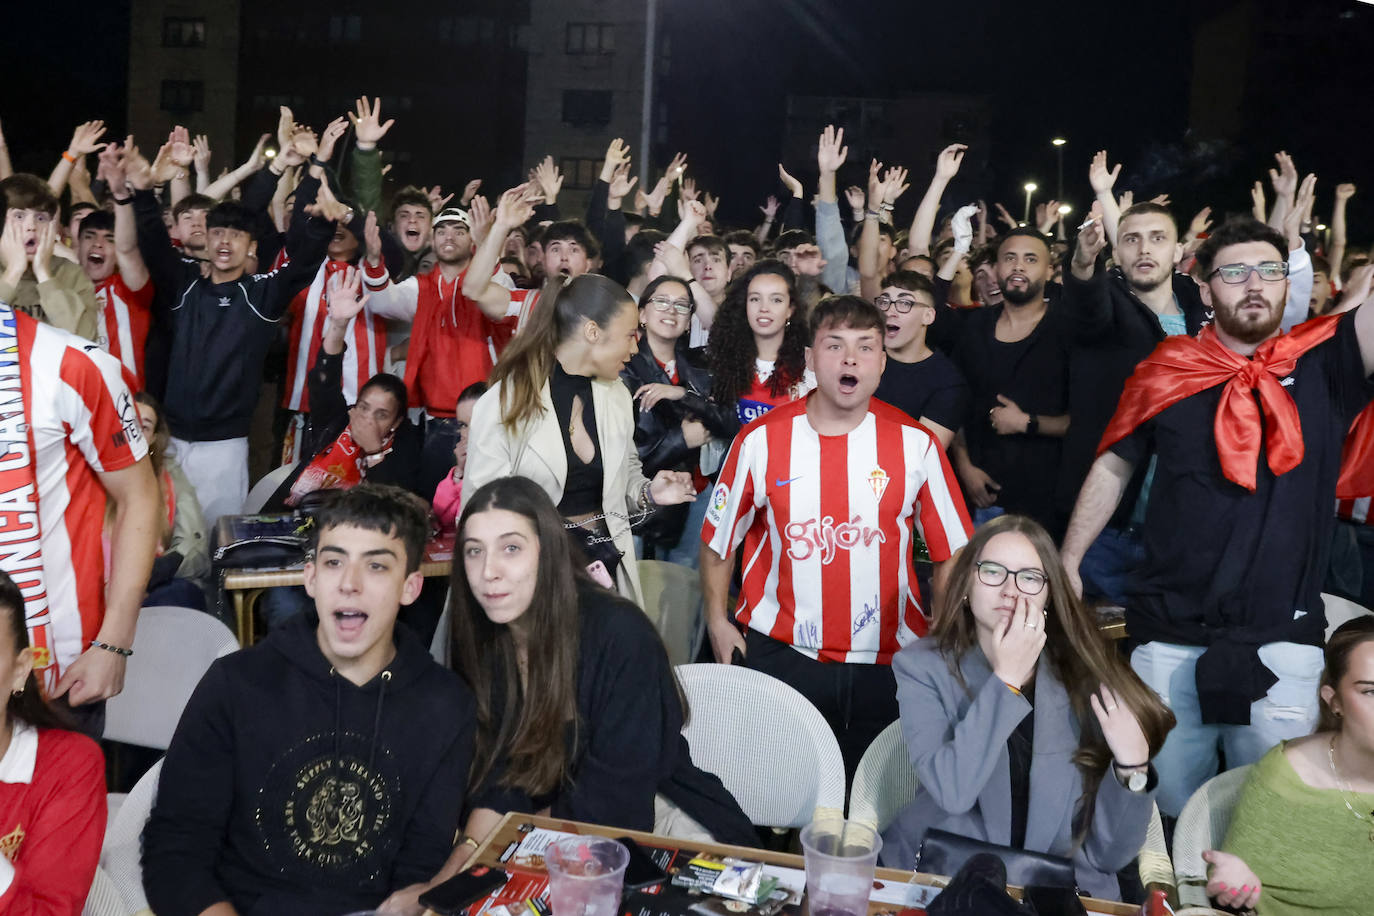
x: 1310, y: 853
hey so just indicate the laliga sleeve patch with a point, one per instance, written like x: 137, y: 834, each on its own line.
x: 720, y: 496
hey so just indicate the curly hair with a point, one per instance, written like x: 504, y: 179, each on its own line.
x: 733, y: 349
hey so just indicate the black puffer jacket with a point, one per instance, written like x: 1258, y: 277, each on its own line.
x: 658, y: 432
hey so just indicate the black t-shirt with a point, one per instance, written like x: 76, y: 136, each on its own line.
x: 1220, y: 560
x: 932, y: 388
x: 1033, y: 374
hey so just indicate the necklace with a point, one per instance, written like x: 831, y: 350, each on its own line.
x: 1341, y: 786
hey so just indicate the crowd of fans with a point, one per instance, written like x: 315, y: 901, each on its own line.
x: 908, y: 462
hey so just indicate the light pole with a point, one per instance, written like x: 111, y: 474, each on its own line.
x: 646, y: 114
x: 1059, y: 152
x: 1030, y: 189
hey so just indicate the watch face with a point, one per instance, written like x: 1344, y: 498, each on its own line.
x: 1137, y: 782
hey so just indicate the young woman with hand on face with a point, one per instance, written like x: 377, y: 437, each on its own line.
x: 579, y: 713
x: 1024, y: 725
x: 1303, y: 830
x: 558, y: 414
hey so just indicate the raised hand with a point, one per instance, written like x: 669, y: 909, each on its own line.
x: 549, y: 179
x: 617, y: 154
x: 688, y: 190
x: 830, y: 150
x: 344, y: 295
x: 1046, y: 215
x: 793, y: 185
x: 137, y: 170
x: 332, y: 132
x: 470, y: 191
x: 480, y: 218
x: 1099, y: 176
x: 710, y: 202
x: 1016, y: 644
x: 770, y: 208
x: 329, y: 207
x: 1344, y: 192
x: 258, y: 158
x: 1285, y: 178
x: 621, y: 183
x: 372, y: 239
x: 855, y: 195
x: 1299, y: 212
x: 181, y: 151
x: 676, y: 168
x: 807, y: 260
x: 1230, y: 881
x: 200, y: 153
x: 515, y: 208
x: 164, y: 169
x: 1161, y: 199
x: 367, y: 122
x: 894, y: 184
x: 437, y: 198
x: 86, y: 137
x: 1257, y: 205
x: 654, y: 198
x: 1092, y: 238
x: 304, y: 143
x: 1125, y: 201
x: 1200, y: 223
x: 948, y: 162
x: 1006, y: 217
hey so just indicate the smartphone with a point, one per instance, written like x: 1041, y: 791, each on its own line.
x: 463, y: 890
x: 642, y: 871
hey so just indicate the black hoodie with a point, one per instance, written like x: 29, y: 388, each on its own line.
x: 288, y: 789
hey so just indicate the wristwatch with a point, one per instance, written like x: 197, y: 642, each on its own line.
x: 1135, y: 781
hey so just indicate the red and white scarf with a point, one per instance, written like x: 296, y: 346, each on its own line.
x: 21, y: 535
x: 339, y: 467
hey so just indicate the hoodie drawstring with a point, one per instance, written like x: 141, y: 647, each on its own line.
x: 377, y: 720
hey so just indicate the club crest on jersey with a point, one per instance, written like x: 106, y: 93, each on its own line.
x: 806, y: 537
x: 719, y: 497
x: 877, y: 482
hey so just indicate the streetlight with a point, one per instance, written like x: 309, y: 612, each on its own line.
x: 1030, y: 189
x: 646, y: 113
x: 1065, y: 209
x: 1059, y: 153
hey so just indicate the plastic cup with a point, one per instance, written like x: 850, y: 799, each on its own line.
x: 586, y: 875
x: 840, y: 858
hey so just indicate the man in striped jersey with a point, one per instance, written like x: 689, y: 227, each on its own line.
x: 827, y: 494
x: 107, y: 248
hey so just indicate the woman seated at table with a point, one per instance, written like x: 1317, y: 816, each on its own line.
x: 52, y: 786
x: 1302, y: 834
x: 1025, y: 727
x: 558, y: 414
x: 579, y: 714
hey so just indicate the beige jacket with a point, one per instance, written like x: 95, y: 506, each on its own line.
x: 66, y: 300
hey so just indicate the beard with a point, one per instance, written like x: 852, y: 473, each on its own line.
x: 1032, y: 291
x: 1148, y: 284
x: 1246, y: 328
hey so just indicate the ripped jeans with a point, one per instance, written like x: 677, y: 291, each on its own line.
x: 1190, y: 754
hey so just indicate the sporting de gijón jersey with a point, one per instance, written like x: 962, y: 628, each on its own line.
x: 827, y: 524
x: 125, y: 317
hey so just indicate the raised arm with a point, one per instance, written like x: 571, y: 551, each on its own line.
x: 85, y: 139
x: 130, y: 259
x: 1102, y: 181
x: 1285, y: 182
x: 1337, y: 254
x: 513, y: 209
x: 830, y: 155
x: 923, y: 223
x: 222, y: 185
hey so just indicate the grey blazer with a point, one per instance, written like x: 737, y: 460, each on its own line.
x: 958, y: 744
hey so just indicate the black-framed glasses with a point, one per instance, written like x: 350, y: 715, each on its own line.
x: 1239, y: 273
x: 664, y: 304
x: 1028, y: 581
x: 903, y: 304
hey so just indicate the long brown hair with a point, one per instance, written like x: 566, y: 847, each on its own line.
x: 158, y: 443
x: 1348, y: 637
x: 733, y: 347
x: 530, y: 728
x: 1079, y: 655
x: 561, y: 311
x: 28, y: 705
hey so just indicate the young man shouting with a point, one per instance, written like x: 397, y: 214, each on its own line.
x: 323, y: 769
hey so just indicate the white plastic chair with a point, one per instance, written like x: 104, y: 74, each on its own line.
x: 770, y: 747
x: 264, y: 488
x: 174, y: 647
x: 885, y: 781
x: 104, y: 898
x: 1201, y: 826
x: 119, y: 858
x: 1339, y: 610
x: 672, y: 599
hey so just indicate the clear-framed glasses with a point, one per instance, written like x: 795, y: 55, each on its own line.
x: 664, y: 304
x: 903, y: 304
x: 1028, y: 581
x: 1239, y: 273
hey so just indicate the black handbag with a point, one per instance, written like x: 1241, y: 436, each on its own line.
x: 260, y: 541
x: 944, y: 853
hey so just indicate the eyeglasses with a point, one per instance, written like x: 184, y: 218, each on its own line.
x: 903, y: 304
x: 1028, y: 581
x: 1239, y: 273
x: 663, y: 304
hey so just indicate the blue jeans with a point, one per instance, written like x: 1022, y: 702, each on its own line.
x: 1109, y: 564
x: 1190, y: 754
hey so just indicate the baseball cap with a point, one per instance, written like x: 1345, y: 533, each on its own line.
x: 451, y: 215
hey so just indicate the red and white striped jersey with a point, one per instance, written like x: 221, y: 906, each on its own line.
x: 126, y: 315
x: 827, y: 525
x: 82, y: 421
x: 365, y: 335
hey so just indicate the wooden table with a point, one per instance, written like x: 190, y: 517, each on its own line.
x: 245, y: 586
x: 509, y: 832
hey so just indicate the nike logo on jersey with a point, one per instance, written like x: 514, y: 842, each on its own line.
x: 782, y: 483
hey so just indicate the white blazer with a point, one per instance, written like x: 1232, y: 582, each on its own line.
x: 536, y: 451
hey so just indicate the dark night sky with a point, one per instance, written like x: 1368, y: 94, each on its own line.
x: 1100, y: 73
